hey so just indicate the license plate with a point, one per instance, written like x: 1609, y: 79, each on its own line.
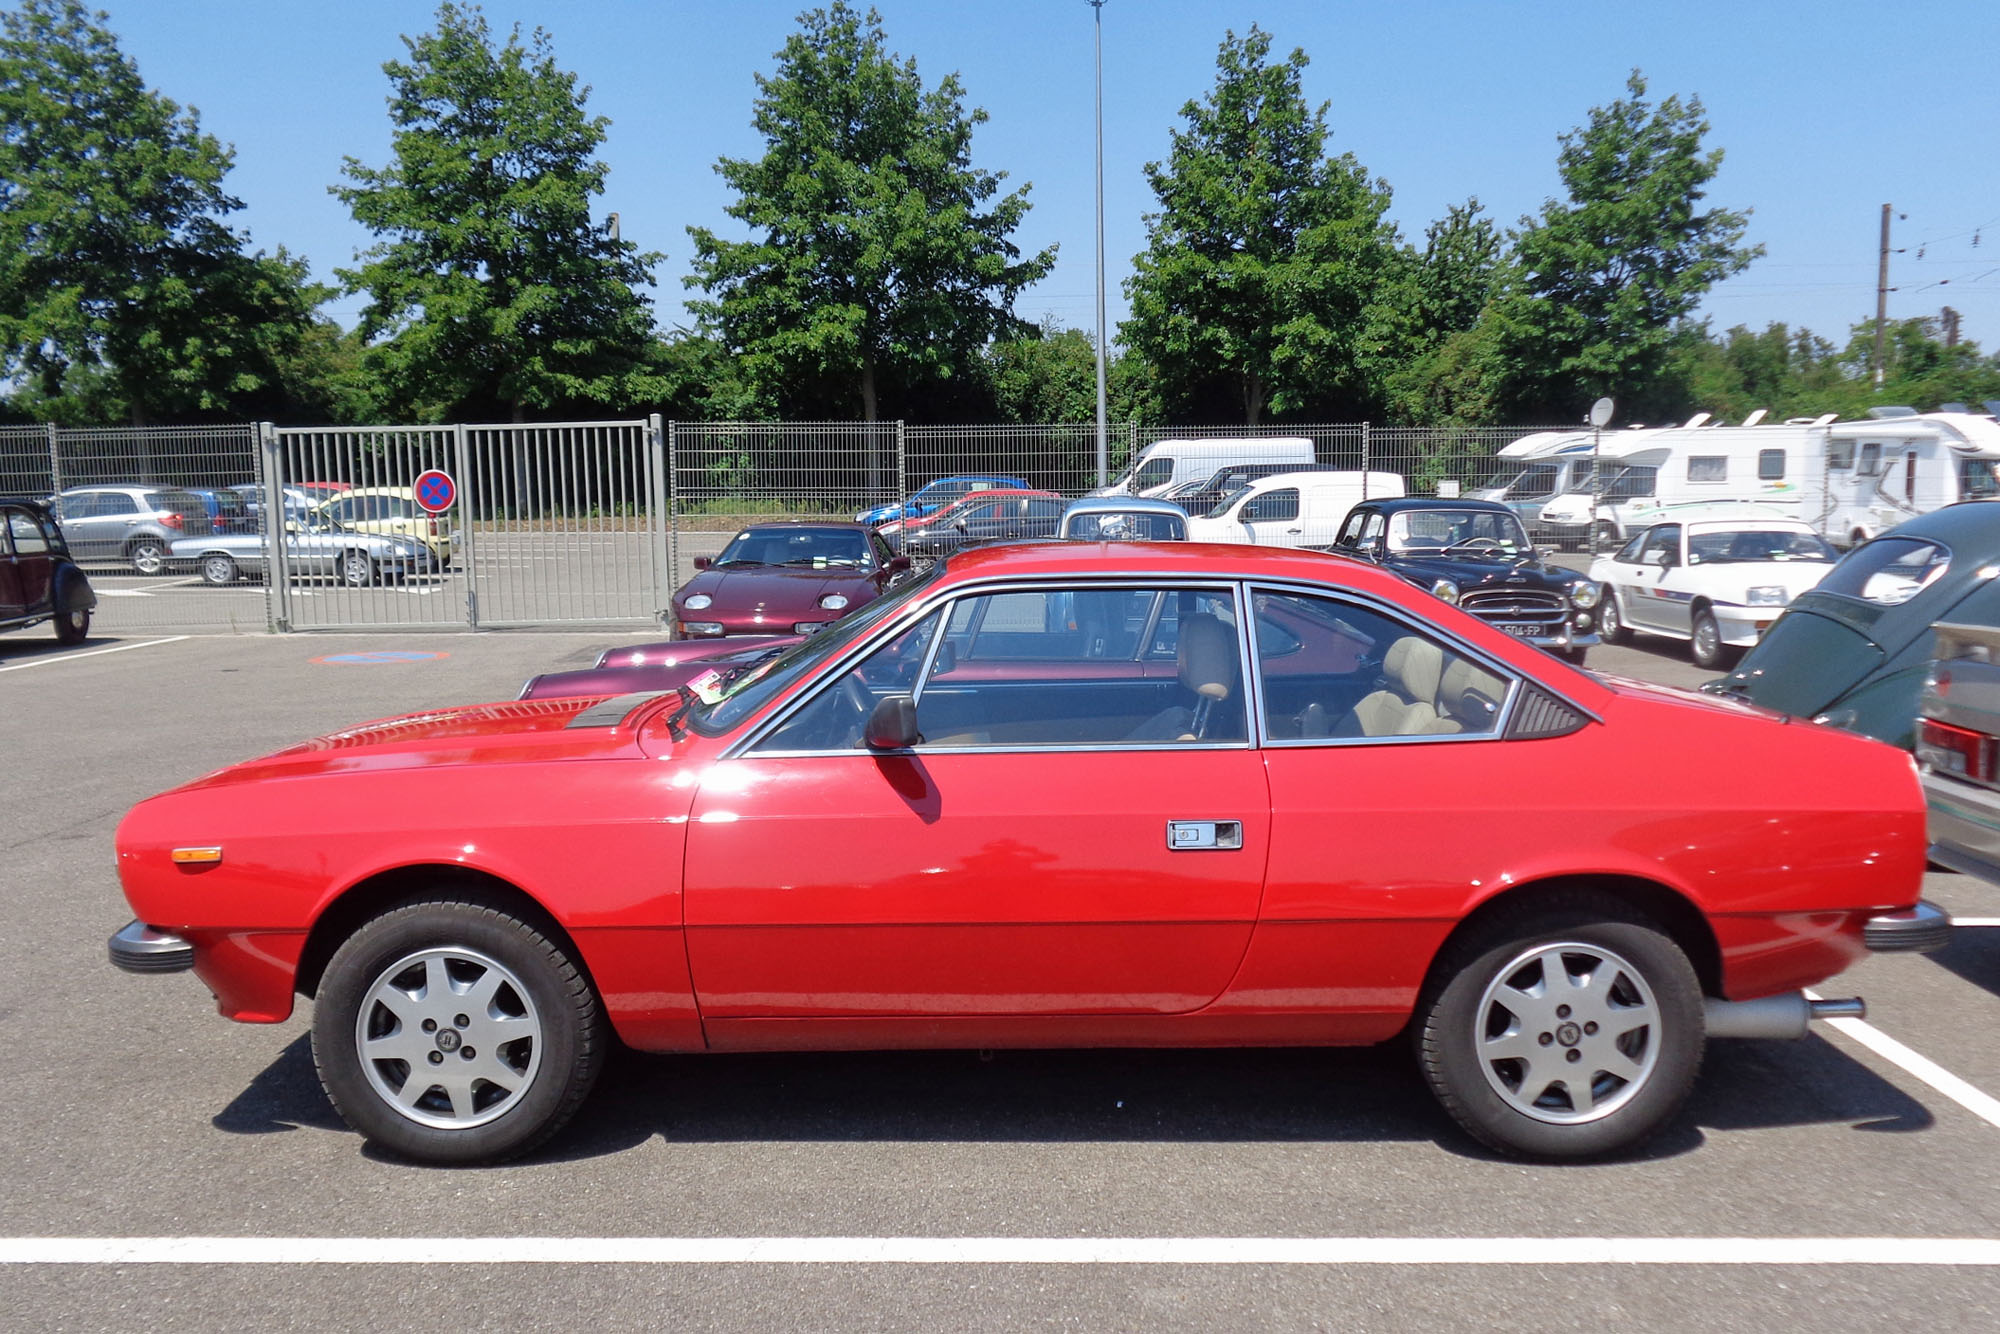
x: 1522, y: 631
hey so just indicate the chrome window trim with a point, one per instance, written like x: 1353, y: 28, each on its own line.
x: 755, y: 731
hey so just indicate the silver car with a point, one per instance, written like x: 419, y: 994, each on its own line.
x: 128, y: 522
x: 314, y: 548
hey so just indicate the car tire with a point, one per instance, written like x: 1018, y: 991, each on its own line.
x: 147, y: 556
x: 357, y: 569
x: 1611, y: 627
x: 397, y: 1002
x: 1482, y: 1006
x: 73, y: 627
x: 1605, y: 536
x: 219, y: 569
x: 1706, y: 646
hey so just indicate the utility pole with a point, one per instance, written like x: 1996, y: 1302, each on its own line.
x: 1882, y: 298
x: 1950, y: 322
x: 1103, y: 427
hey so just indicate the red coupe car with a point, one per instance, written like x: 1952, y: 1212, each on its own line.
x: 783, y: 579
x: 1051, y: 795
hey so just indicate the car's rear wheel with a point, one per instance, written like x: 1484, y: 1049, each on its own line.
x: 1611, y: 627
x: 147, y: 555
x: 218, y: 569
x: 454, y: 1032
x: 1707, y: 648
x: 73, y: 627
x: 357, y: 570
x: 1606, y: 535
x: 1569, y: 1029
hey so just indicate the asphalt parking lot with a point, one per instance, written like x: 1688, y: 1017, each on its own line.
x: 168, y: 1169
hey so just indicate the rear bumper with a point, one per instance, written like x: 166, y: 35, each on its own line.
x: 138, y: 948
x: 1923, y: 929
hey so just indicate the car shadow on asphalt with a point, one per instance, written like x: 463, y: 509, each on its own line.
x: 1974, y: 955
x: 1267, y: 1095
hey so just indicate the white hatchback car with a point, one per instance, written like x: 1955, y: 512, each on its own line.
x: 1717, y: 583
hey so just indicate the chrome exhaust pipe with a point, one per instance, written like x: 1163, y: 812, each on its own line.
x: 1782, y: 1016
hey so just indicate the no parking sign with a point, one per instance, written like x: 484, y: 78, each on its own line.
x: 436, y: 492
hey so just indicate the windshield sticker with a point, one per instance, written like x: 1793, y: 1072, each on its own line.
x: 707, y: 687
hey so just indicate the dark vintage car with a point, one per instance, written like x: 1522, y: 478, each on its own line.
x: 1852, y: 652
x: 784, y: 578
x: 660, y: 666
x: 980, y: 518
x: 1476, y: 555
x: 38, y: 580
x: 1051, y: 794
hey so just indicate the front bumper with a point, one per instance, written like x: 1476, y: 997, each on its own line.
x: 138, y: 948
x: 1923, y: 929
x: 1742, y: 627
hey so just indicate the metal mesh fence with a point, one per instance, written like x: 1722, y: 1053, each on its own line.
x: 566, y: 523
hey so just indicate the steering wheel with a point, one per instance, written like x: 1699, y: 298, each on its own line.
x: 857, y: 697
x: 1482, y: 543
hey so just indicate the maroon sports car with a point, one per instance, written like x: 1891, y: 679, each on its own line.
x: 784, y: 579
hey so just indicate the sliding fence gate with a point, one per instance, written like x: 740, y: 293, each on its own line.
x: 525, y: 525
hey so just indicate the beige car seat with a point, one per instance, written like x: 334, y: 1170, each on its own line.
x: 1412, y: 670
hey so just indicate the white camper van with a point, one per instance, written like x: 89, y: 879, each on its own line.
x: 1292, y: 509
x: 1537, y: 468
x: 1165, y: 463
x: 1849, y: 480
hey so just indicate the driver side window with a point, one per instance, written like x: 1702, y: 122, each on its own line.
x: 833, y: 719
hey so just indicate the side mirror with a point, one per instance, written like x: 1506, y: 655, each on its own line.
x: 897, y: 564
x: 959, y: 524
x: 893, y: 725
x: 291, y: 525
x: 703, y: 562
x: 1247, y: 513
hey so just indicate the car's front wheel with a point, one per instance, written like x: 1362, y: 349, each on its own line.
x: 357, y: 570
x: 218, y: 569
x: 1706, y: 647
x: 1611, y: 627
x: 455, y: 1032
x: 1568, y: 1029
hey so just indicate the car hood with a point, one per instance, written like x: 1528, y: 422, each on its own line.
x: 783, y: 595
x: 708, y: 652
x: 1475, y: 572
x: 513, y: 731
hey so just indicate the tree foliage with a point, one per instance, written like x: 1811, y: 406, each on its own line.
x: 1267, y: 262
x: 1605, y: 279
x: 122, y: 290
x: 493, y: 285
x: 880, y: 263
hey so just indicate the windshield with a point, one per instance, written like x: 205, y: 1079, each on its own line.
x: 1746, y: 546
x: 1469, y: 530
x: 1977, y: 480
x: 1888, y: 571
x: 803, y: 548
x: 757, y: 682
x: 1228, y: 502
x: 1120, y: 526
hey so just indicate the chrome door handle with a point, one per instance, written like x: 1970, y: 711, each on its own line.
x: 1204, y: 835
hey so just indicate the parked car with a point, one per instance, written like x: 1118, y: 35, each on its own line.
x: 982, y: 517
x: 934, y: 496
x: 1168, y: 463
x: 1122, y: 519
x: 1852, y: 651
x: 128, y: 522
x: 298, y: 501
x: 38, y: 580
x: 1051, y: 794
x: 227, y: 512
x: 783, y: 578
x: 1291, y: 509
x: 1202, y: 494
x: 392, y: 511
x: 1476, y: 555
x: 1718, y: 583
x: 315, y: 548
x: 1958, y: 748
x: 655, y: 667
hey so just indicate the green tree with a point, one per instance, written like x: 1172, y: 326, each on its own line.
x: 880, y: 263
x: 1268, y: 262
x: 1607, y: 277
x: 1442, y: 373
x: 122, y: 290
x: 494, y: 287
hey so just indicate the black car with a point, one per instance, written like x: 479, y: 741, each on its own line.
x: 1476, y: 554
x: 38, y: 580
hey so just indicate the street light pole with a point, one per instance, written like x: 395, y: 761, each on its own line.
x: 1103, y: 425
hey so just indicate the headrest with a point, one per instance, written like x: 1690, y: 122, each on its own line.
x: 1207, y: 654
x: 1414, y: 665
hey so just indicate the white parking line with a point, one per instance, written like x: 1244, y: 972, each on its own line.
x: 1975, y: 921
x: 92, y: 653
x: 1981, y: 1105
x: 1541, y: 1252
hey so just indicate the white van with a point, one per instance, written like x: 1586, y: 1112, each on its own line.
x: 1166, y: 463
x: 1292, y: 509
x: 1902, y: 464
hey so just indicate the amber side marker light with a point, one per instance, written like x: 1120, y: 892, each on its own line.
x: 196, y: 856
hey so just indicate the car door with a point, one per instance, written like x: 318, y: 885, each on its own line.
x: 32, y: 563
x: 12, y: 607
x: 1272, y: 519
x: 1648, y: 605
x: 94, y: 522
x: 1076, y: 834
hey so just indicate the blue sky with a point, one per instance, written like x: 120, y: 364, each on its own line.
x: 1825, y: 110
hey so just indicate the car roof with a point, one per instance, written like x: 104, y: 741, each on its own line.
x: 1397, y: 504
x: 1746, y: 525
x: 1960, y: 524
x: 27, y: 502
x: 1123, y: 505
x: 782, y: 525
